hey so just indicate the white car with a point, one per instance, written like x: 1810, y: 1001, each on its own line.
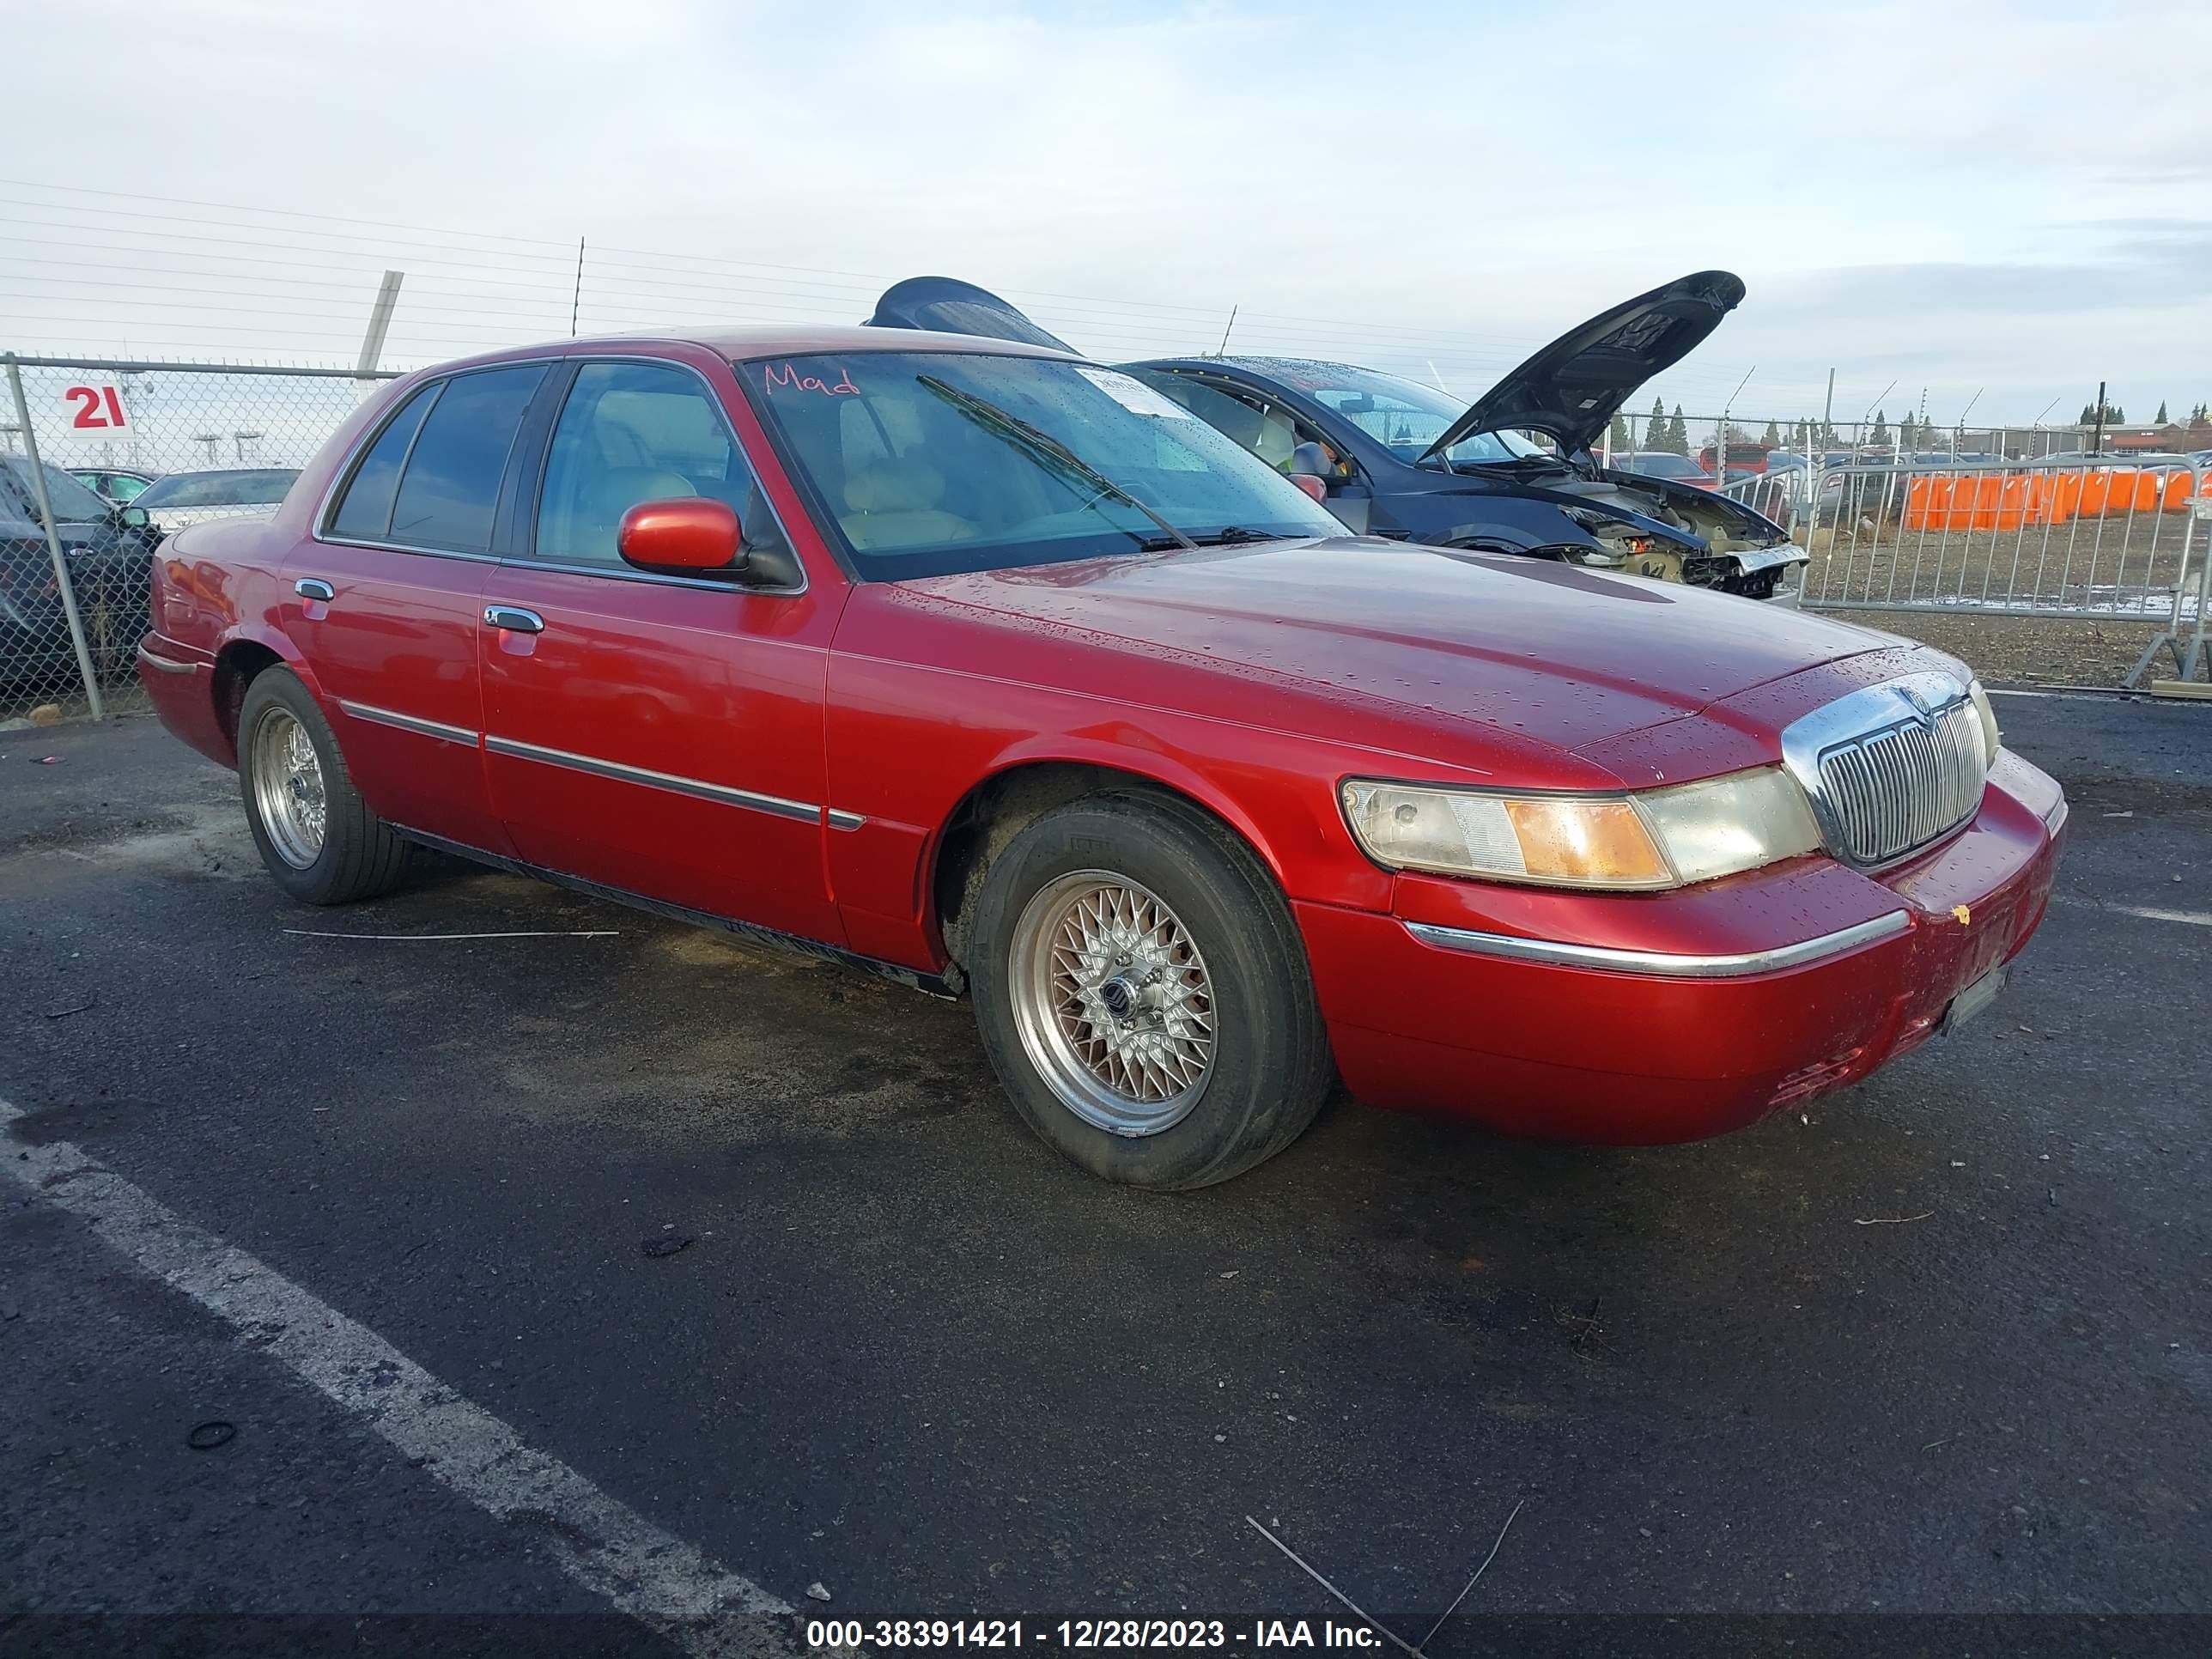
x: 185, y: 498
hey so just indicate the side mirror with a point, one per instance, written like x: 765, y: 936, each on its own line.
x: 689, y: 532
x: 132, y: 518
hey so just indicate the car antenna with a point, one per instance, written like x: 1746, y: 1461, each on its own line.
x: 1222, y: 350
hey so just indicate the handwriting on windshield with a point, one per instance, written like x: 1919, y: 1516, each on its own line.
x: 788, y: 375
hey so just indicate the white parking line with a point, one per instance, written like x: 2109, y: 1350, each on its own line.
x: 659, y: 1580
x: 2147, y: 912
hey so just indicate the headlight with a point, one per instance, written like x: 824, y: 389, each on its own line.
x: 1658, y: 838
x: 1992, y: 739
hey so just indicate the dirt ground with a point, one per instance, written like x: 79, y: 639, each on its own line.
x: 2023, y: 650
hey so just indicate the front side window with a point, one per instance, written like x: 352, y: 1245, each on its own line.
x: 72, y: 502
x: 638, y: 432
x: 1266, y: 428
x: 1404, y: 416
x: 450, y: 492
x: 928, y: 462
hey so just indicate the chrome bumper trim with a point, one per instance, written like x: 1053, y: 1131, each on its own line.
x: 1661, y: 961
x: 775, y: 806
x: 419, y: 726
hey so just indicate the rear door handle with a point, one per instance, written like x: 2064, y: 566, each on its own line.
x: 314, y: 587
x: 514, y: 618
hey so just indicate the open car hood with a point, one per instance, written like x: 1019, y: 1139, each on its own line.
x: 1575, y: 386
x: 945, y: 304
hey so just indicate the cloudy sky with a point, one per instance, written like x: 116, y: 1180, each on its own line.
x: 1999, y: 195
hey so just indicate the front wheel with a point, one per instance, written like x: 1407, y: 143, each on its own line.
x: 1143, y: 993
x: 315, y: 834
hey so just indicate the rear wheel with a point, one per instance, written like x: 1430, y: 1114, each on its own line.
x: 1143, y: 993
x: 315, y: 834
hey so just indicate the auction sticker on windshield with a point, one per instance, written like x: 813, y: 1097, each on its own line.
x: 1133, y: 394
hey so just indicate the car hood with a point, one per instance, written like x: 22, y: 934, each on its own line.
x: 1575, y: 386
x: 1561, y: 656
x: 945, y: 304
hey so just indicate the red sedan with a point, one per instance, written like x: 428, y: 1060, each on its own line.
x: 995, y: 672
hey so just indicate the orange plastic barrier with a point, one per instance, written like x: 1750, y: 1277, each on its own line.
x: 1928, y: 502
x: 2007, y: 500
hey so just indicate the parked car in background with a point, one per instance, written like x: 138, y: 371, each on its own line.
x: 117, y: 485
x: 107, y: 546
x: 188, y: 498
x: 997, y: 672
x: 1663, y: 464
x: 1742, y: 457
x: 1512, y: 473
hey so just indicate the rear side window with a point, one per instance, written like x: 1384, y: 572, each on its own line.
x: 451, y: 487
x: 366, y: 511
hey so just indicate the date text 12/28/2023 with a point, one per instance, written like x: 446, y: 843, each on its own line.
x: 1083, y: 1634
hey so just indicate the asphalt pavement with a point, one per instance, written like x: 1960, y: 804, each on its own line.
x: 757, y: 1274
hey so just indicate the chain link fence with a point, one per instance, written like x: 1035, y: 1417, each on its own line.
x: 2052, y: 522
x: 101, y: 462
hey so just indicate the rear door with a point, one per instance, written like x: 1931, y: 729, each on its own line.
x: 385, y: 601
x: 657, y: 734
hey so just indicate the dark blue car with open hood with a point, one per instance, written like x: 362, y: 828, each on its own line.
x: 1515, y: 472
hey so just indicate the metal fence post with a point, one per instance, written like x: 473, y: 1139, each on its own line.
x: 54, y: 544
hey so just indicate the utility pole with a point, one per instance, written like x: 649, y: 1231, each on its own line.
x: 2097, y: 444
x: 379, y: 324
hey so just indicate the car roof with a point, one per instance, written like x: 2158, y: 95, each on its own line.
x: 741, y: 345
x: 1263, y: 365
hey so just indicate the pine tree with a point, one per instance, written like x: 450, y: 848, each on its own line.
x: 2161, y: 412
x: 1772, y: 439
x: 1655, y: 426
x: 1880, y: 436
x: 1906, y: 430
x: 1617, y: 438
x: 1678, y: 433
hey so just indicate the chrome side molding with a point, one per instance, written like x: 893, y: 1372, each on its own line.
x: 1665, y: 963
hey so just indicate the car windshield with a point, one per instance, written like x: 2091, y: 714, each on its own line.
x: 255, y: 487
x: 73, y: 503
x: 933, y: 462
x: 1405, y: 415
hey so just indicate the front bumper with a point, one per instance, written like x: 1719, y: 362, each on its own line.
x: 1673, y: 1016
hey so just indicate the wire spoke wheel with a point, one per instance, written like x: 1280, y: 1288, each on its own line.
x: 1113, y: 1002
x: 288, y: 788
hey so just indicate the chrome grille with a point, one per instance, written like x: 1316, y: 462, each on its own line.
x: 1890, y: 768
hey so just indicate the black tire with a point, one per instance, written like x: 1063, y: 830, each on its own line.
x: 1270, y: 1068
x: 359, y: 856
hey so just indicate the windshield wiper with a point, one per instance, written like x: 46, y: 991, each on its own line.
x: 989, y: 415
x: 1236, y: 535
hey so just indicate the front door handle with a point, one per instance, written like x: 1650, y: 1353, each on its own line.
x: 314, y: 587
x: 514, y: 618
